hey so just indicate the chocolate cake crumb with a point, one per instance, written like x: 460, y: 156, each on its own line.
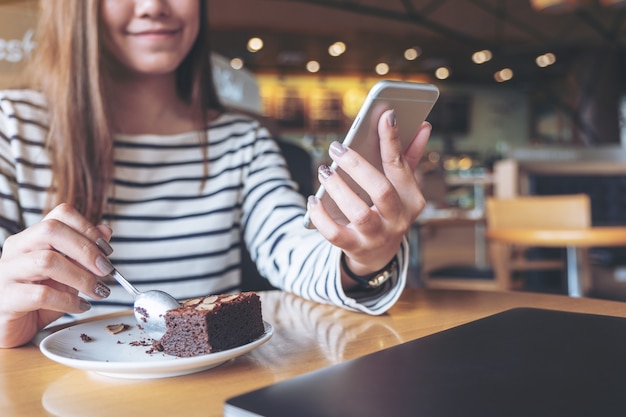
x: 144, y: 314
x: 140, y: 343
x: 156, y: 347
x: 85, y: 338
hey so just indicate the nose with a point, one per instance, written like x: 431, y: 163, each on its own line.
x: 152, y: 8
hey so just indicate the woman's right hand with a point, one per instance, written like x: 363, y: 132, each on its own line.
x: 43, y: 268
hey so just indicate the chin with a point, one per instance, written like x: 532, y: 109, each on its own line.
x: 155, y: 69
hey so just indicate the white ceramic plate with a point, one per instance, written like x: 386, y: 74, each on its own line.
x: 126, y: 354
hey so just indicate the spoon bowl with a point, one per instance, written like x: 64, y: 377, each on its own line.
x: 149, y: 307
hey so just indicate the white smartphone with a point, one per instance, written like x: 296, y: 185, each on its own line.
x: 412, y: 103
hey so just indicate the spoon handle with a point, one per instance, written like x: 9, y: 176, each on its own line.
x: 124, y: 283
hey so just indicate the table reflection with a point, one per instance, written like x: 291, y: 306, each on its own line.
x: 306, y: 333
x: 330, y: 330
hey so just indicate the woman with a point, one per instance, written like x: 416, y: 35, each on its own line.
x: 121, y: 143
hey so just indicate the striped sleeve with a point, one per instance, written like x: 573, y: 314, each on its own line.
x: 21, y: 156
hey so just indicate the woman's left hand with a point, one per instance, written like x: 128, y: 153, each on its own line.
x: 373, y: 235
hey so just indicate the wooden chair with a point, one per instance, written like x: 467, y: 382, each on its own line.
x: 531, y: 212
x: 505, y: 178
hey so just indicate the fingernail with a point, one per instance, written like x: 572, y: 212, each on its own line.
x: 312, y: 200
x: 104, y: 265
x: 325, y: 171
x: 102, y: 290
x: 84, y: 305
x: 337, y: 148
x: 391, y: 118
x: 104, y: 246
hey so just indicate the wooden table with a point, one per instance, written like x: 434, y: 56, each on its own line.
x: 572, y: 239
x: 307, y: 336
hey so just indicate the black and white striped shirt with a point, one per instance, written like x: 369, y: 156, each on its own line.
x: 172, y: 230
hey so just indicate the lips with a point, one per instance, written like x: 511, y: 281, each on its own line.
x: 155, y: 32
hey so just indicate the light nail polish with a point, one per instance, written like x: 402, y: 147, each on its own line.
x: 337, y: 148
x: 391, y: 118
x: 104, y: 265
x: 104, y: 246
x: 85, y: 305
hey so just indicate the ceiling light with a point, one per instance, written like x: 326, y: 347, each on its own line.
x: 255, y: 44
x: 411, y: 54
x: 545, y: 60
x: 382, y: 68
x: 503, y: 75
x: 337, y: 49
x: 434, y: 157
x: 442, y: 73
x: 313, y: 66
x: 465, y: 163
x: 236, y: 63
x: 480, y: 57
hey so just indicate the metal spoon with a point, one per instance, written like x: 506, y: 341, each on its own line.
x: 150, y: 307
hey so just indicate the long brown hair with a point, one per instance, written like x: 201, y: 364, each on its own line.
x: 68, y: 68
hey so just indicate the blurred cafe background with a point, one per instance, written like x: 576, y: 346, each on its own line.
x: 533, y: 102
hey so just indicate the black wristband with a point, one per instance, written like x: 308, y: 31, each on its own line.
x: 371, y: 280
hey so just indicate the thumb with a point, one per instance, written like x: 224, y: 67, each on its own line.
x: 415, y: 150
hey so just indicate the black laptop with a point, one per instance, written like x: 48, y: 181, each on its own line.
x: 521, y: 362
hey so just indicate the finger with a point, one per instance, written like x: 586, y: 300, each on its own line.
x: 68, y: 215
x: 415, y: 150
x: 103, y: 243
x: 26, y: 297
x: 392, y: 155
x: 336, y: 234
x: 390, y: 144
x: 74, y: 245
x: 356, y: 210
x: 54, y: 267
x: 68, y: 232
